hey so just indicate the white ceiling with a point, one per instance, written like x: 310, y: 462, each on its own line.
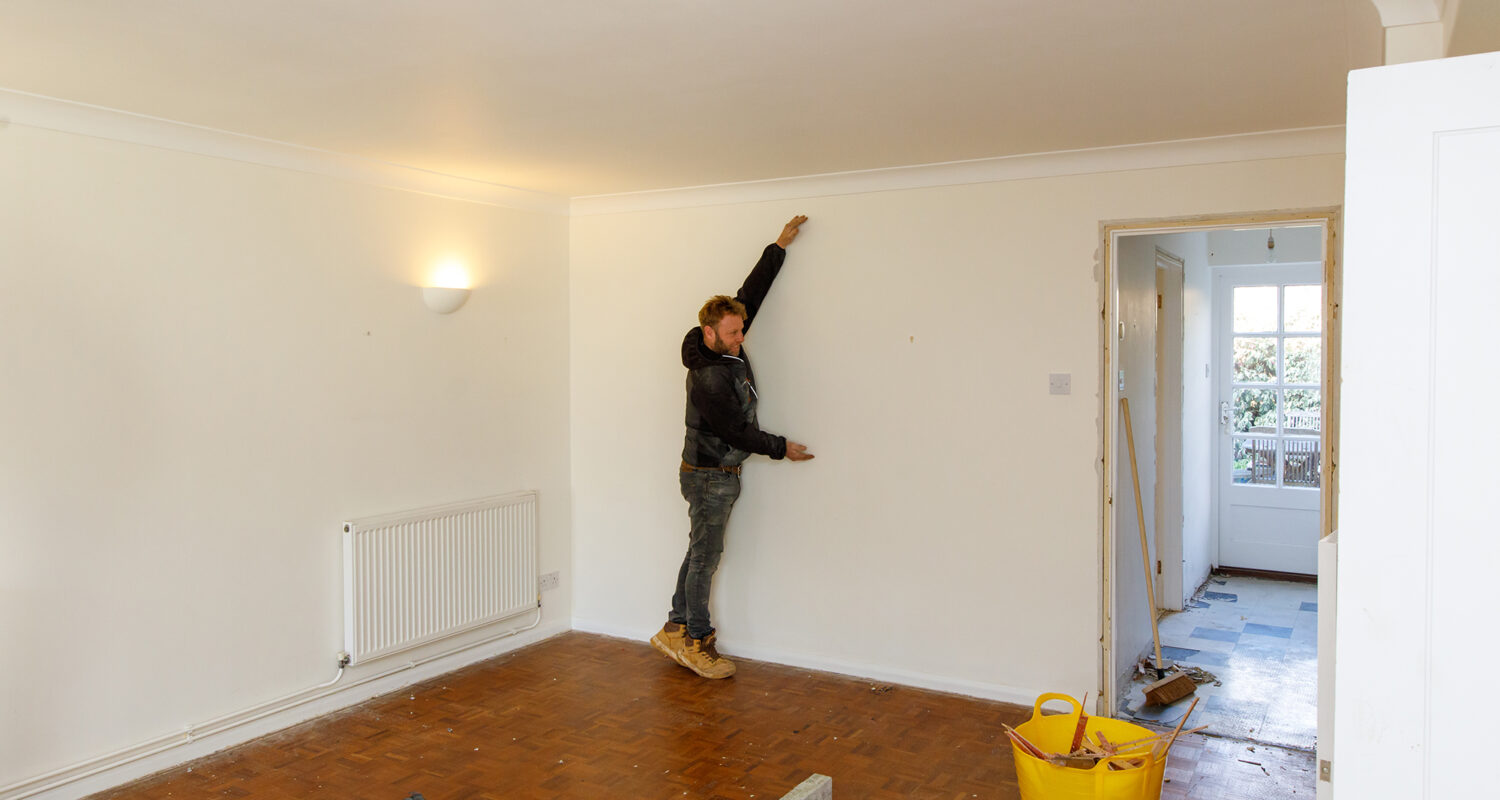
x: 587, y: 97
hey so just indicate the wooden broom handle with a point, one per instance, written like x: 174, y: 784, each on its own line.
x: 1140, y: 521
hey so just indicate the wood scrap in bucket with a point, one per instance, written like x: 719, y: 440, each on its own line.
x: 1175, y: 731
x: 1083, y: 721
x: 1087, y: 754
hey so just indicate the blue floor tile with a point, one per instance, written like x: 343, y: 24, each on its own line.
x: 1215, y: 634
x: 1268, y: 630
x: 1309, y: 606
x: 1203, y: 658
x: 1251, y: 710
x: 1222, y: 596
x: 1164, y: 715
x: 1177, y: 653
x: 1261, y: 649
x: 1201, y: 604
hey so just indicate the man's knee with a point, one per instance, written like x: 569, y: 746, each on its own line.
x: 704, y: 560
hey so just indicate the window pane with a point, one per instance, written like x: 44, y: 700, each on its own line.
x: 1254, y: 308
x: 1299, y: 465
x: 1254, y: 359
x: 1255, y: 461
x: 1255, y: 411
x: 1304, y: 411
x: 1304, y: 360
x: 1304, y: 308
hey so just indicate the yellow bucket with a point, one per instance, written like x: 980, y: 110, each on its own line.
x: 1040, y: 780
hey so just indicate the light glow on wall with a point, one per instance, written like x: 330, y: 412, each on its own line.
x: 450, y: 274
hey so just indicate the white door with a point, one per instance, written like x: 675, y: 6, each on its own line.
x: 1270, y: 367
x: 1417, y: 545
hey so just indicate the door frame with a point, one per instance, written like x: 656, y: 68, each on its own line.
x: 1109, y: 396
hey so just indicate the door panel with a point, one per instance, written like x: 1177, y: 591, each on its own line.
x: 1417, y: 545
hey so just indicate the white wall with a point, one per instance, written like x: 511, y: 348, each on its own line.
x: 208, y: 365
x: 1136, y: 308
x: 948, y: 532
x: 1199, y: 420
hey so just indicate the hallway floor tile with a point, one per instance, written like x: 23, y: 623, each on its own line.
x: 1259, y: 638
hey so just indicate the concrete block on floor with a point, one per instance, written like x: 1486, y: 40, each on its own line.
x: 817, y: 787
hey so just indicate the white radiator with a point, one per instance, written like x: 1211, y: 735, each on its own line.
x: 419, y: 576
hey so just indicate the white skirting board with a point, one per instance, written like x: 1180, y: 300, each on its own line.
x: 64, y: 787
x: 983, y: 691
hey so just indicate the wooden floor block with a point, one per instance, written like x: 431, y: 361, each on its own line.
x: 592, y: 717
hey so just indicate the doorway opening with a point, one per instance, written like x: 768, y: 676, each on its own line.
x: 1222, y: 336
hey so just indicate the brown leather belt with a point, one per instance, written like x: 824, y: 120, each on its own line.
x: 734, y: 470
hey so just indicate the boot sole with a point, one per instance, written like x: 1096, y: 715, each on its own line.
x: 700, y: 673
x: 729, y: 674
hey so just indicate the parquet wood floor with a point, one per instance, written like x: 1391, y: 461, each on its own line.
x: 587, y: 716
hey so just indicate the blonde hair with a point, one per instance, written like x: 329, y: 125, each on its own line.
x: 718, y: 307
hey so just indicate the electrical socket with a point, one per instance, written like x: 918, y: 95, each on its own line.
x: 549, y: 581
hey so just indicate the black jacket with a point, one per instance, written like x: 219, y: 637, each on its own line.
x: 721, y: 427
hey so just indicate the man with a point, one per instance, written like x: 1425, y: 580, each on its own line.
x: 722, y: 432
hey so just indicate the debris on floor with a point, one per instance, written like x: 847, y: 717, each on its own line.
x: 1259, y: 658
x: 1201, y: 676
x: 1147, y: 668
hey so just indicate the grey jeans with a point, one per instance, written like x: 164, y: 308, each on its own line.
x: 710, y: 495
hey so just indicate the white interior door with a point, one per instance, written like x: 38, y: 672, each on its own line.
x: 1270, y: 350
x: 1169, y: 356
x: 1417, y: 547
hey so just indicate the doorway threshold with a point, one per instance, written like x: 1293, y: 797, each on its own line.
x: 1294, y: 577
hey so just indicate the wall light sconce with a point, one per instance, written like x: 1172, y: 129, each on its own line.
x: 444, y: 299
x: 450, y: 289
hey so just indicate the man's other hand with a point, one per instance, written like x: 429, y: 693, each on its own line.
x: 794, y: 451
x: 789, y: 232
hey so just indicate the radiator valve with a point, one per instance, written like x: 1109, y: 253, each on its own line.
x: 343, y: 658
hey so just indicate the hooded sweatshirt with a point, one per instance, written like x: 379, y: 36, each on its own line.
x: 722, y: 430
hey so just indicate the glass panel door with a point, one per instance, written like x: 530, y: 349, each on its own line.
x: 1270, y: 368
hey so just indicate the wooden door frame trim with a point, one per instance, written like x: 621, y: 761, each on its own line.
x: 1331, y: 219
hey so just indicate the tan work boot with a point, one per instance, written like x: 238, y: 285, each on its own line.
x: 702, y: 656
x: 669, y: 640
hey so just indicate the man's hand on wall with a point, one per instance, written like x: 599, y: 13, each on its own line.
x: 789, y: 232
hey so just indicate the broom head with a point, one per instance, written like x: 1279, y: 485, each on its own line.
x: 1170, y: 689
